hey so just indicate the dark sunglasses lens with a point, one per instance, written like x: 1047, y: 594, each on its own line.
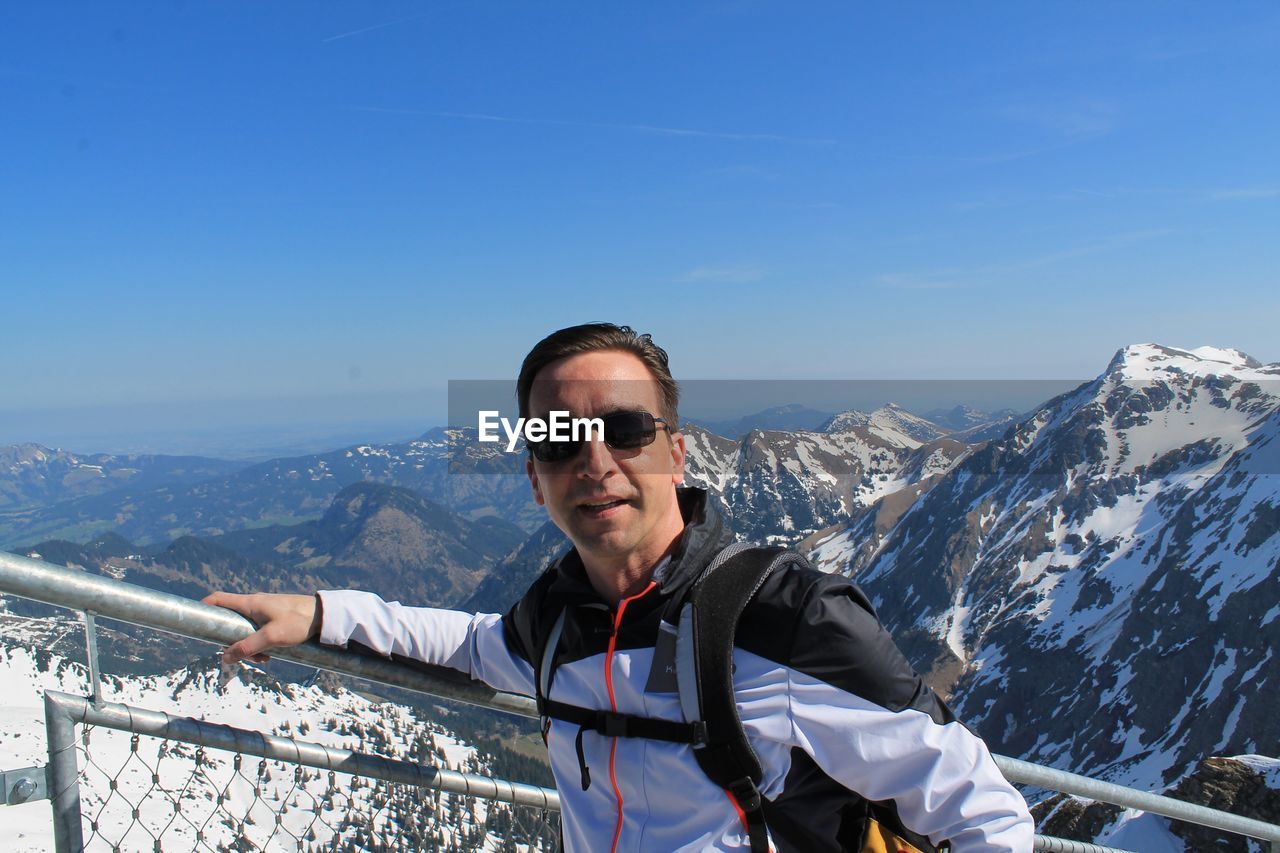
x: 622, y: 431
x: 554, y: 451
x: 629, y: 430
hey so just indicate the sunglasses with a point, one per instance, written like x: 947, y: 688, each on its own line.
x: 622, y: 431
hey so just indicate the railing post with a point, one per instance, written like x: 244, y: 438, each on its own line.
x: 91, y: 657
x: 63, y: 778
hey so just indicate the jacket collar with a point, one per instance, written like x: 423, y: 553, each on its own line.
x: 705, y: 535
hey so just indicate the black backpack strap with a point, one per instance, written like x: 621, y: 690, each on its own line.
x: 612, y: 724
x: 707, y: 622
x: 704, y: 670
x: 543, y: 666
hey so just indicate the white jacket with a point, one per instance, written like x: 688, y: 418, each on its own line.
x: 826, y: 699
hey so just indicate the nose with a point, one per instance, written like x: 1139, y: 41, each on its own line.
x: 595, y: 461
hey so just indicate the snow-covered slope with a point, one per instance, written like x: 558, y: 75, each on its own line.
x: 890, y: 423
x: 1101, y: 588
x: 310, y: 805
x: 786, y: 485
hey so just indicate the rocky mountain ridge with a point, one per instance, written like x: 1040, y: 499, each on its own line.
x: 1099, y: 590
x: 783, y: 486
x: 381, y: 538
x: 32, y: 475
x: 288, y: 490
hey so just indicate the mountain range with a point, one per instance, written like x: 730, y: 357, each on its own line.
x: 385, y: 539
x: 781, y: 486
x: 32, y: 475
x: 284, y: 491
x: 1099, y: 589
x: 1094, y: 584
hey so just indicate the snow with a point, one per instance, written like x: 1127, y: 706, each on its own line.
x: 833, y: 552
x: 1147, y: 833
x: 959, y: 622
x: 1264, y: 765
x: 1229, y: 727
x: 1154, y: 361
x: 342, y: 719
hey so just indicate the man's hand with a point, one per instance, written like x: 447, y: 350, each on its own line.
x: 283, y: 620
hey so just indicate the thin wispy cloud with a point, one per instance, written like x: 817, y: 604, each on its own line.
x: 1201, y: 195
x: 600, y: 125
x: 1082, y: 194
x: 1073, y: 122
x: 978, y: 204
x: 1002, y: 156
x: 937, y: 280
x: 373, y: 27
x: 1065, y: 125
x: 952, y: 277
x: 728, y: 274
x: 1243, y: 194
x: 1074, y: 119
x: 1106, y: 245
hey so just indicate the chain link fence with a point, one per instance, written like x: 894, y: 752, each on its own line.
x: 138, y: 791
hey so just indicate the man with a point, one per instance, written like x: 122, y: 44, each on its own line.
x: 826, y: 699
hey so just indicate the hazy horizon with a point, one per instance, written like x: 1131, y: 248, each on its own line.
x: 260, y: 429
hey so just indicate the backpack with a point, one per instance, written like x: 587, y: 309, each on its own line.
x: 707, y: 620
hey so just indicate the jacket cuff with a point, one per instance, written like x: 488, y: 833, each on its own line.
x: 336, y: 623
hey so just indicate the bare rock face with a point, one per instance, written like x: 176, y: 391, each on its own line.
x: 778, y: 486
x: 1063, y: 816
x: 1233, y: 786
x: 1245, y: 785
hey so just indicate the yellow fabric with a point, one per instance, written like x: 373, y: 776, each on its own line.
x: 881, y: 840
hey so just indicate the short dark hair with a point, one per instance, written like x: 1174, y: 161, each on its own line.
x: 596, y: 337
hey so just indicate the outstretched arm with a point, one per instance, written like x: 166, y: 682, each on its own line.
x: 474, y: 644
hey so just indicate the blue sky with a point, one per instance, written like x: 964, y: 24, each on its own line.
x: 243, y: 213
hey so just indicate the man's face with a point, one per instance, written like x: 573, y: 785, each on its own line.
x: 612, y: 504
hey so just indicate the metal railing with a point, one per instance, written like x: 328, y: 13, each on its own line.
x: 209, y: 803
x: 149, y: 608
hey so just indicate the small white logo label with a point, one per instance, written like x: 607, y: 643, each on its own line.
x: 559, y: 426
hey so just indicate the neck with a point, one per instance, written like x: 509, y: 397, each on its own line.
x: 618, y: 576
x: 617, y: 579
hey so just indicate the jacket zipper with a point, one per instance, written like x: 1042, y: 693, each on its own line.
x: 613, y: 705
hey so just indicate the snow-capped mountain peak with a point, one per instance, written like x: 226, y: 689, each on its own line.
x: 1099, y: 557
x: 1151, y: 361
x: 890, y: 423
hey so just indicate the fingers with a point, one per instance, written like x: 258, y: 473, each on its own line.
x: 252, y: 647
x: 237, y: 652
x: 242, y: 604
x: 284, y: 620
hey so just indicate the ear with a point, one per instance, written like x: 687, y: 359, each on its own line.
x: 677, y: 457
x: 533, y: 481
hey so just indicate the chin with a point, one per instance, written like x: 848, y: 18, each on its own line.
x: 611, y: 544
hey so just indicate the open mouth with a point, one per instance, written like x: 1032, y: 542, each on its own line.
x: 601, y: 509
